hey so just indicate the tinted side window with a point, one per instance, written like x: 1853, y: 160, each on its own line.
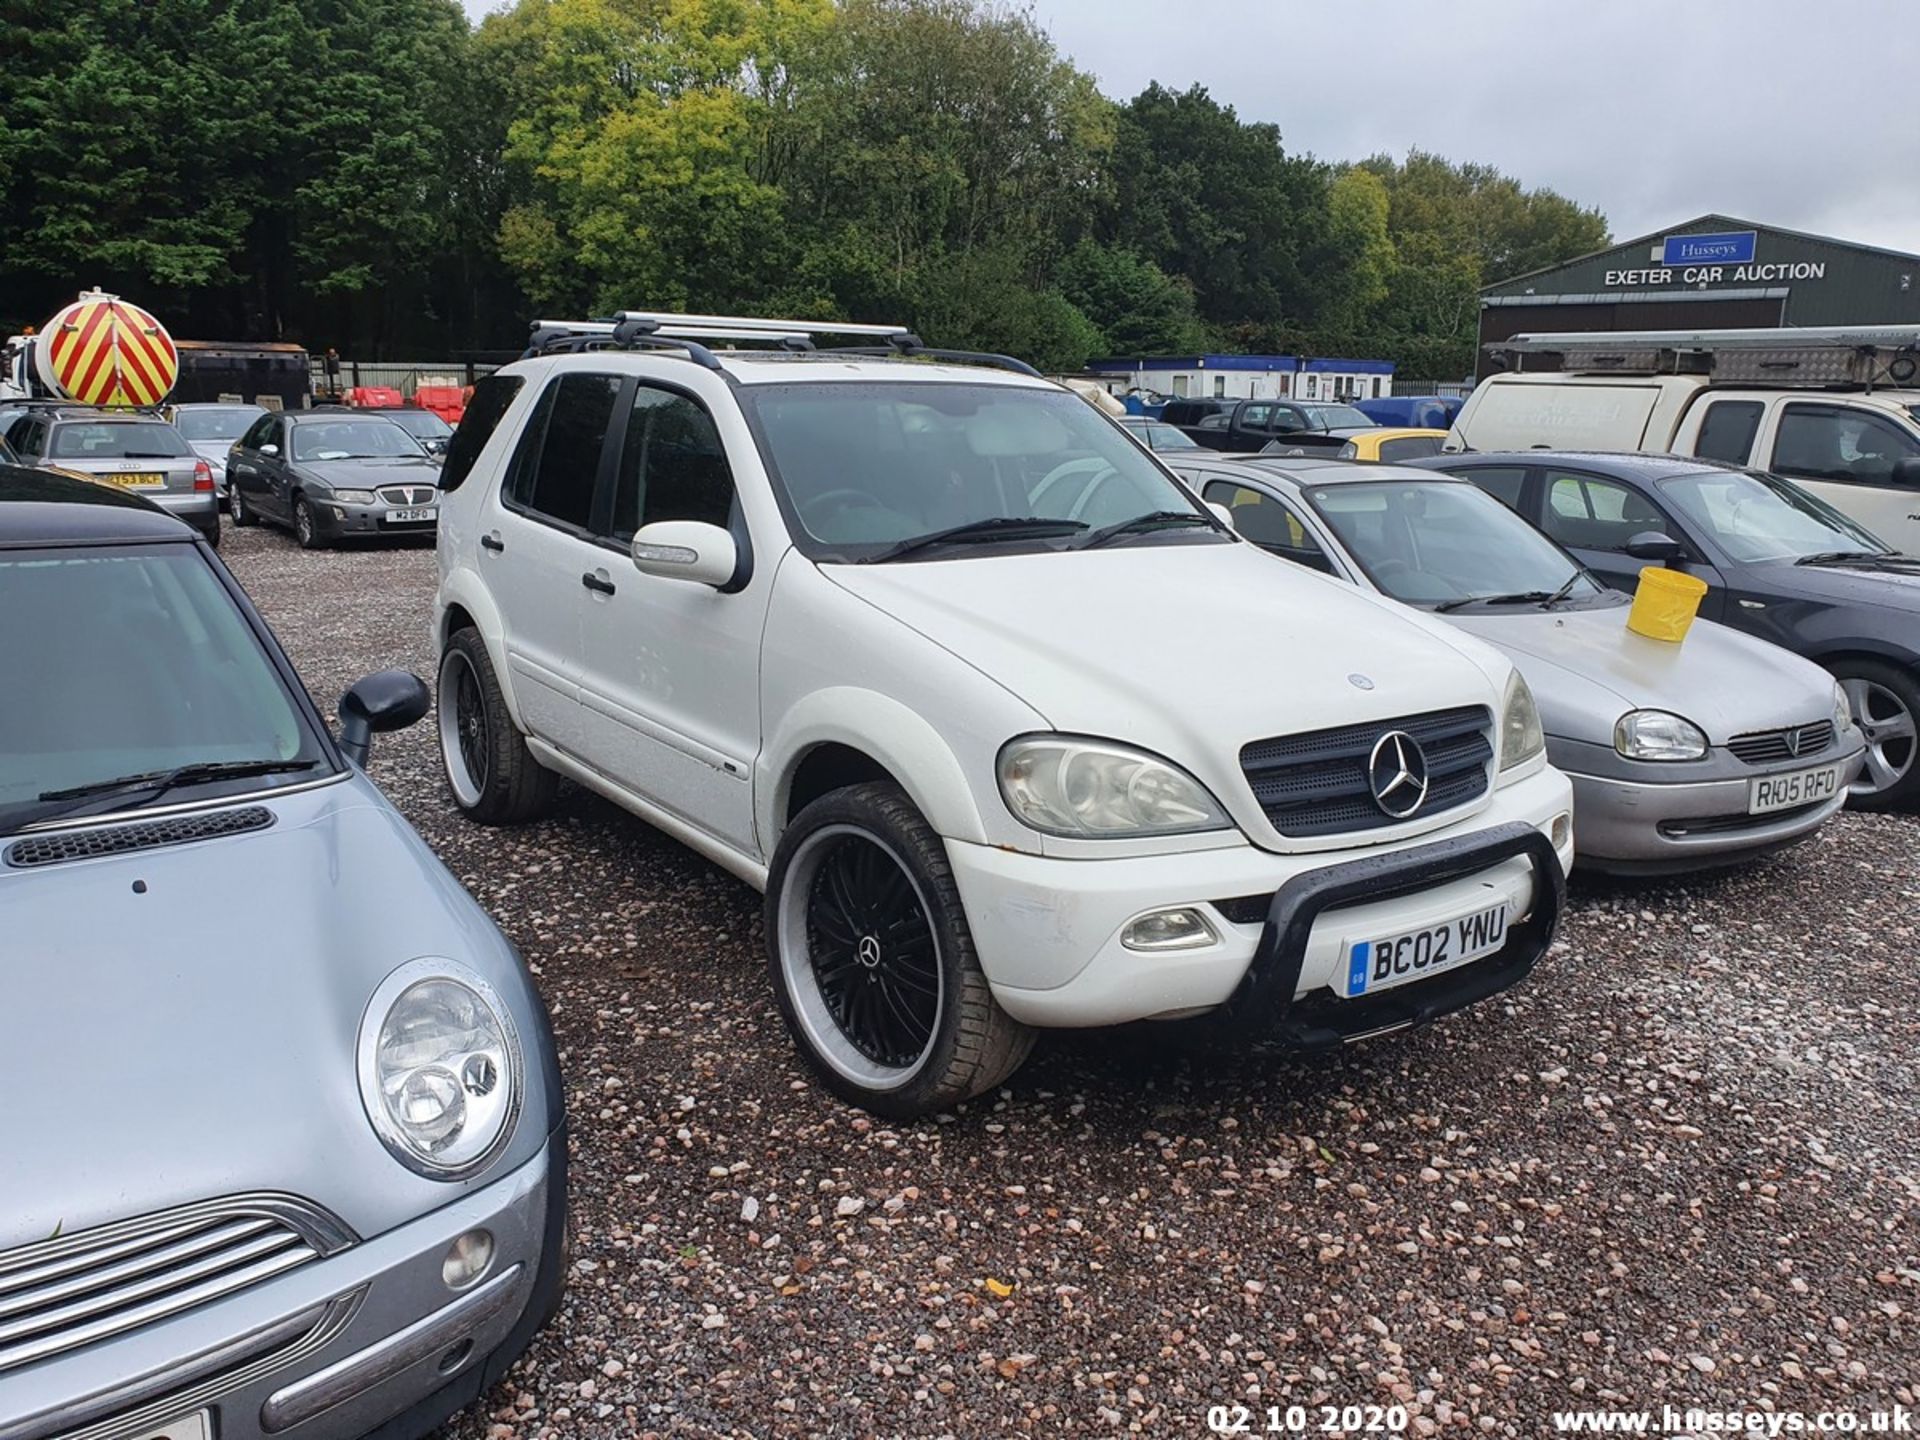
x: 1589, y: 512
x: 672, y: 465
x: 558, y: 467
x: 1503, y: 482
x: 492, y: 394
x: 1837, y: 442
x: 1414, y: 447
x: 1727, y: 430
x: 258, y: 433
x: 1270, y: 524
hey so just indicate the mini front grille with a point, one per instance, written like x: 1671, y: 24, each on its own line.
x: 1316, y: 783
x: 62, y: 1293
x: 1796, y: 742
x: 58, y: 847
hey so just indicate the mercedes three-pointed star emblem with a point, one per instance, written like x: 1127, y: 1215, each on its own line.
x: 1397, y: 774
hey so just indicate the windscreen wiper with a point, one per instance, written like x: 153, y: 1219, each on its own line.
x: 1143, y: 525
x: 1868, y: 558
x: 1565, y: 590
x: 1522, y: 597
x: 993, y: 528
x: 155, y: 783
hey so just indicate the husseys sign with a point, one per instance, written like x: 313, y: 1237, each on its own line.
x: 1723, y: 259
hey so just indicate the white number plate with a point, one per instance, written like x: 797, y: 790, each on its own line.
x: 410, y: 517
x: 1783, y: 792
x: 1391, y: 960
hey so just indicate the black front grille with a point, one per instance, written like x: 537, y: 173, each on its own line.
x: 405, y: 496
x: 64, y: 845
x: 1316, y: 783
x: 1796, y: 742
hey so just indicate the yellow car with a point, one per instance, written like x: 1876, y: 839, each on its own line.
x: 1389, y: 444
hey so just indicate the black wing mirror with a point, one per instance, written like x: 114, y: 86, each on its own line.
x: 1657, y: 547
x: 385, y: 700
x: 1906, y: 472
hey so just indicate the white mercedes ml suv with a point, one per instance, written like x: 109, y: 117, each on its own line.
x: 1010, y: 728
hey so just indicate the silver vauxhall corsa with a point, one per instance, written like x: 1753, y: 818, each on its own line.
x: 283, y: 1150
x: 1682, y: 756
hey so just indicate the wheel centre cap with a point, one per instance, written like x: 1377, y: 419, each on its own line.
x: 868, y: 952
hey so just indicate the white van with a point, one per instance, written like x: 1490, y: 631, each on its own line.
x: 1828, y: 408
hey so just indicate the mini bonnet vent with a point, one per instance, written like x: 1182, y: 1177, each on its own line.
x: 56, y: 849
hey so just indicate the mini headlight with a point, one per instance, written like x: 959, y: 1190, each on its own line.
x: 439, y: 1067
x: 1520, y: 735
x: 354, y: 497
x: 1062, y: 785
x: 1842, y: 710
x: 1656, y: 735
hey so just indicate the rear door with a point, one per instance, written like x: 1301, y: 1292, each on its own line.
x: 670, y: 669
x: 538, y: 552
x: 1594, y: 516
x: 1850, y: 456
x: 244, y: 467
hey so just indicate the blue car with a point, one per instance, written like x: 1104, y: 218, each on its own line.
x: 1414, y: 412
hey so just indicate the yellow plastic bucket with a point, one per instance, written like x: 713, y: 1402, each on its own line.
x: 1665, y: 603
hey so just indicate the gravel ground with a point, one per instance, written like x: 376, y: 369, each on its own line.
x: 1681, y: 1165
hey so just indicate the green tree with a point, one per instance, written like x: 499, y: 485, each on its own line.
x: 1138, y: 308
x: 1205, y: 196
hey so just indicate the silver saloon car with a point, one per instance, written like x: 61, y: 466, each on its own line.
x: 211, y: 428
x: 1682, y: 756
x: 284, y: 1150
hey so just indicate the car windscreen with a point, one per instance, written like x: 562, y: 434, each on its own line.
x: 1762, y: 517
x: 1166, y: 437
x: 117, y: 440
x: 866, y: 466
x: 127, y: 661
x: 423, y: 424
x: 366, y: 439
x: 215, y: 424
x: 1337, y: 417
x: 1429, y: 542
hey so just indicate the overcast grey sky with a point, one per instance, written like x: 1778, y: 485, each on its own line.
x: 1785, y: 112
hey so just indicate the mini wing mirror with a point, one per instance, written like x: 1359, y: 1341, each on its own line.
x: 1655, y: 546
x: 385, y: 700
x: 1223, y: 515
x: 686, y: 550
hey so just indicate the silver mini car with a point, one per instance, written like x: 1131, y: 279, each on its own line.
x: 284, y: 1150
x: 1682, y: 756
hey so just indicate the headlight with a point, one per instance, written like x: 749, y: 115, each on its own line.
x: 353, y: 497
x: 1842, y: 710
x: 439, y: 1068
x: 1520, y: 735
x: 1656, y: 735
x: 1062, y: 785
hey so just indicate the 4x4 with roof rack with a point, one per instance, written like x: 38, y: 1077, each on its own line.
x: 1833, y: 409
x: 1012, y: 730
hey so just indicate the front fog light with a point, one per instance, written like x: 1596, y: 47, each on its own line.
x: 1181, y: 929
x: 439, y: 1068
x: 467, y: 1259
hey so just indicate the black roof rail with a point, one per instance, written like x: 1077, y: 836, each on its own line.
x: 573, y: 339
x: 907, y: 345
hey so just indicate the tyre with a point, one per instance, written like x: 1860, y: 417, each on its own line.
x: 494, y: 777
x: 873, y: 962
x: 1886, y: 706
x: 237, y: 508
x: 306, y: 528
